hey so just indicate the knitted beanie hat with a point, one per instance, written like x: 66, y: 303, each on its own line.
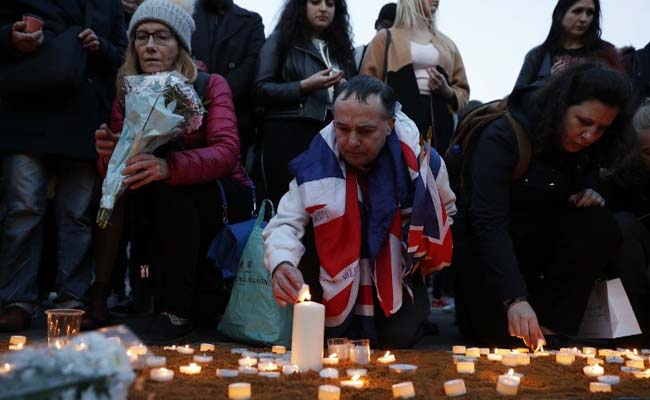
x: 176, y: 14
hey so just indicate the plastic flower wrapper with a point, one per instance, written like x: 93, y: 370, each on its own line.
x: 157, y: 108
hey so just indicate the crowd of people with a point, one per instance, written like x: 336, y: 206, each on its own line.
x: 355, y: 147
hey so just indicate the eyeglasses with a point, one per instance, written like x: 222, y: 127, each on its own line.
x: 162, y: 38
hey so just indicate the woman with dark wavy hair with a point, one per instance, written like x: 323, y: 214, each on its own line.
x: 574, y: 37
x: 535, y: 245
x: 308, y: 55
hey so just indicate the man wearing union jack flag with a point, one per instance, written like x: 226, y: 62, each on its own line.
x: 379, y: 205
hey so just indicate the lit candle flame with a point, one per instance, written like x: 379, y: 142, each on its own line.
x: 333, y: 355
x: 387, y: 354
x: 511, y: 372
x: 356, y: 377
x: 636, y: 353
x: 303, y: 294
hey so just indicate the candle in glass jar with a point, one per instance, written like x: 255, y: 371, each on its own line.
x: 596, y: 387
x: 403, y: 390
x: 161, y: 374
x: 329, y: 392
x: 507, y: 386
x: 465, y: 367
x: 308, y: 332
x: 191, y: 369
x: 593, y: 370
x: 360, y: 351
x: 239, y: 391
x: 455, y: 388
x: 185, y: 349
x: 387, y: 358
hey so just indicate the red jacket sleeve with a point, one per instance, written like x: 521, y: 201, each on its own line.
x: 117, y: 120
x: 219, y: 156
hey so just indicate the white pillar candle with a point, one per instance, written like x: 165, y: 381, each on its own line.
x: 403, y: 390
x: 458, y: 349
x: 239, y: 391
x: 185, y: 349
x: 465, y: 367
x: 473, y: 352
x: 355, y: 382
x: 247, y: 362
x: 387, y: 358
x: 290, y: 369
x: 594, y: 361
x: 161, y: 374
x: 523, y: 359
x: 227, y: 373
x: 403, y: 368
x: 593, y: 370
x: 635, y: 364
x: 18, y: 339
x: 329, y: 392
x: 356, y: 371
x: 206, y: 347
x: 329, y: 373
x: 455, y: 388
x: 279, y: 349
x: 507, y: 386
x: 267, y: 366
x: 565, y: 358
x: 331, y: 360
x: 494, y: 357
x: 595, y: 387
x: 307, y: 333
x: 153, y: 361
x: 191, y: 369
x: 202, y: 358
x: 609, y: 379
x: 247, y: 370
x: 509, y: 360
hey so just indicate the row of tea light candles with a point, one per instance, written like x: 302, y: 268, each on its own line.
x: 508, y: 384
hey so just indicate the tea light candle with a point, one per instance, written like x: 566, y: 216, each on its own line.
x: 502, y: 351
x: 594, y: 361
x: 514, y: 375
x: 355, y: 382
x: 593, y: 370
x: 161, y: 374
x: 635, y: 364
x: 329, y: 392
x: 484, y: 351
x: 589, y: 350
x: 5, y: 369
x: 404, y: 390
x: 565, y: 358
x: 239, y: 391
x: 507, y: 386
x: 387, y: 358
x: 237, y: 351
x: 330, y: 373
x: 206, y: 347
x: 191, y: 369
x: 509, y: 360
x: 458, y: 349
x: 18, y: 339
x: 202, y: 358
x: 246, y: 370
x: 249, y: 354
x: 609, y: 379
x: 614, y: 360
x: 185, y: 349
x: 595, y: 387
x: 16, y: 347
x: 465, y: 367
x: 138, y: 350
x: 153, y: 361
x: 279, y: 349
x: 265, y: 360
x: 642, y: 374
x: 473, y: 352
x: 269, y: 374
x: 629, y: 370
x: 247, y: 362
x: 170, y: 348
x: 494, y: 357
x: 290, y: 369
x: 455, y: 388
x: 604, y: 352
x: 267, y: 366
x: 523, y: 359
x: 403, y: 368
x: 356, y: 371
x: 333, y: 359
x: 227, y: 373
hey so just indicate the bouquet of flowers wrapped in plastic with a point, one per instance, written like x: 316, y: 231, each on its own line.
x: 157, y: 108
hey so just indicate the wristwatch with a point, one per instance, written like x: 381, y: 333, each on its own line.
x: 510, y: 302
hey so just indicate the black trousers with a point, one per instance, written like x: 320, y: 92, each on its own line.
x: 433, y: 108
x: 282, y: 141
x: 173, y: 228
x: 560, y: 260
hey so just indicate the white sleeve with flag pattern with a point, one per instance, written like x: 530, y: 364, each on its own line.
x: 283, y: 235
x: 446, y: 194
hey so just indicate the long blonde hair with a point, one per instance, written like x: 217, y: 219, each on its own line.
x: 131, y: 66
x: 410, y: 15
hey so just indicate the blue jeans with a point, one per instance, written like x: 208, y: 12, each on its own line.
x: 22, y: 209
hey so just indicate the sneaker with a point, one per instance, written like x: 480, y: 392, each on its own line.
x: 167, y: 328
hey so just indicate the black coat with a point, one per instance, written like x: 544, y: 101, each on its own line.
x: 230, y: 48
x: 278, y: 81
x: 63, y: 124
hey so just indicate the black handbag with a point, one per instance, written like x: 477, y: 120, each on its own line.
x: 57, y: 67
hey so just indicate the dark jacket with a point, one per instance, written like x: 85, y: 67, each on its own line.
x: 637, y: 66
x: 538, y: 62
x: 229, y: 45
x: 209, y: 153
x: 502, y: 213
x: 63, y: 125
x: 278, y: 81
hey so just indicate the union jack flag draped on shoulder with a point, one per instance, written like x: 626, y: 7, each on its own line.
x: 378, y: 235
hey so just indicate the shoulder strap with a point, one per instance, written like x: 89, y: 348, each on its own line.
x: 388, y: 40
x: 523, y: 146
x: 201, y: 84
